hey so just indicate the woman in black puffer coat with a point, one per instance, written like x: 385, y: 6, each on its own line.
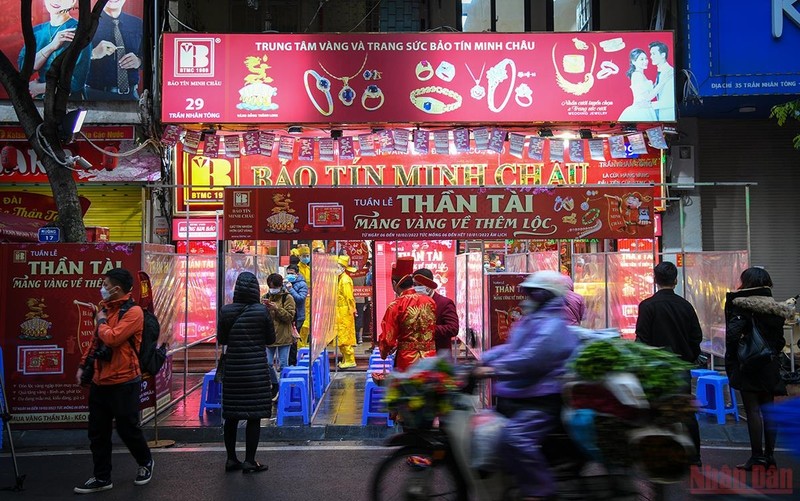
x: 246, y: 328
x: 753, y: 304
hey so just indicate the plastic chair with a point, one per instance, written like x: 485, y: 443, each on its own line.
x: 713, y: 402
x: 303, y: 353
x: 696, y: 373
x: 373, y: 403
x: 293, y: 399
x: 211, y: 396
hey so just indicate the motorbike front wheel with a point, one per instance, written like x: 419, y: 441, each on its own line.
x: 411, y: 473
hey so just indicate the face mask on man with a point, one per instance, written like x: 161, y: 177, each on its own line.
x: 291, y: 278
x: 421, y: 289
x: 305, y: 259
x: 339, y: 269
x: 105, y: 293
x: 274, y: 290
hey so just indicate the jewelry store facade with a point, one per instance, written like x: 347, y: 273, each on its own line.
x: 518, y: 112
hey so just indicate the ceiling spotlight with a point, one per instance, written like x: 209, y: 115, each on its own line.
x: 545, y: 133
x: 630, y: 128
x: 295, y: 129
x: 585, y: 133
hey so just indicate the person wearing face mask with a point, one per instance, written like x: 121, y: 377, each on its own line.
x: 114, y: 391
x: 528, y: 369
x: 446, y: 315
x: 408, y: 327
x: 345, y: 313
x: 296, y: 286
x: 281, y: 307
x: 304, y: 270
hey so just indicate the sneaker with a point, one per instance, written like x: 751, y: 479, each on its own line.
x: 93, y: 485
x: 275, y: 396
x: 145, y: 473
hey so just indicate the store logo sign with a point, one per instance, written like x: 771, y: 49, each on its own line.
x: 781, y: 9
x: 241, y: 199
x: 194, y: 57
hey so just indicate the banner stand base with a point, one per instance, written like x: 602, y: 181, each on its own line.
x: 160, y: 444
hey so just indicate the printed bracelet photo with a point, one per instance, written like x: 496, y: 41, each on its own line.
x: 433, y: 105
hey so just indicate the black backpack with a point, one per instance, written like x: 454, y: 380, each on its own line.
x: 152, y: 356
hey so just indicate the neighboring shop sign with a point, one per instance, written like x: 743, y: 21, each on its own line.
x: 204, y: 179
x: 334, y: 213
x: 50, y: 292
x: 34, y: 205
x: 195, y: 229
x: 21, y: 164
x: 97, y: 75
x: 415, y: 77
x: 724, y: 62
x: 504, y: 297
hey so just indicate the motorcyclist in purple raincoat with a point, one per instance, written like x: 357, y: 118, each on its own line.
x: 527, y: 369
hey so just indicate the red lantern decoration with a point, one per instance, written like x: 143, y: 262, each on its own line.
x: 110, y: 162
x: 8, y: 158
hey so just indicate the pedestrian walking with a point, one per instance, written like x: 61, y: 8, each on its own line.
x: 245, y: 329
x: 116, y: 380
x: 668, y: 321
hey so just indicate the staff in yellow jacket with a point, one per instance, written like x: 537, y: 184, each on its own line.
x: 345, y: 313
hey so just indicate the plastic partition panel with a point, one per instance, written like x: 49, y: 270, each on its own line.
x: 516, y: 263
x: 703, y: 279
x: 323, y: 302
x: 589, y: 271
x: 542, y: 261
x: 629, y: 280
x: 461, y: 295
x: 475, y: 301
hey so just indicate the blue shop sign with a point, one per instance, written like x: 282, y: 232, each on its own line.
x: 744, y: 48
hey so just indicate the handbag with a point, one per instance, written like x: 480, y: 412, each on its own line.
x: 753, y: 350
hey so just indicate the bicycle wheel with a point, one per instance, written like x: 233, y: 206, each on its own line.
x: 412, y: 473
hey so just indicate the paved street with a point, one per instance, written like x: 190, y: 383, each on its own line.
x: 302, y: 473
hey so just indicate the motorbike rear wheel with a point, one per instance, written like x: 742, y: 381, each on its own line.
x: 412, y: 473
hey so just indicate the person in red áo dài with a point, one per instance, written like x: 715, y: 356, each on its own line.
x: 409, y: 323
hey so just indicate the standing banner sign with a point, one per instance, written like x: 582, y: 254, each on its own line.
x: 49, y: 300
x: 418, y: 77
x: 502, y: 307
x: 332, y: 213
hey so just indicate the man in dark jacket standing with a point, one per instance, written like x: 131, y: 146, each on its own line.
x: 668, y: 321
x: 446, y: 315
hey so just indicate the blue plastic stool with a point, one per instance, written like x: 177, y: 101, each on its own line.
x: 373, y: 403
x: 326, y: 365
x: 293, y: 399
x: 376, y: 366
x: 211, y: 396
x: 696, y: 373
x: 303, y: 353
x: 713, y: 402
x: 317, y: 379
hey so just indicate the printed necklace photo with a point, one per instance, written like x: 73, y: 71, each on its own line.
x: 477, y: 92
x: 347, y: 95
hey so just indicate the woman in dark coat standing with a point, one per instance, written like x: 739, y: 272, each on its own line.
x: 753, y: 304
x: 246, y: 328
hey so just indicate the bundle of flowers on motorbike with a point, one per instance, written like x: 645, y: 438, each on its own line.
x: 627, y: 389
x: 423, y: 392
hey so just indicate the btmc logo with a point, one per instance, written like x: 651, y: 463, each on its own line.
x: 194, y: 57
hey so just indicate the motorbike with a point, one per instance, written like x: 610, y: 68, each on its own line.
x: 435, y: 463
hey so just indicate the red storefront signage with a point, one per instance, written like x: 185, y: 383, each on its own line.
x: 204, y: 179
x: 49, y: 295
x: 333, y: 213
x: 417, y: 77
x: 25, y: 166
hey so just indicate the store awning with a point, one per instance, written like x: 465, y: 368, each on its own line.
x: 19, y: 229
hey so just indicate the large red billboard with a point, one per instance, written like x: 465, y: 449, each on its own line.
x: 108, y: 69
x: 47, y: 311
x: 336, y: 213
x: 419, y: 77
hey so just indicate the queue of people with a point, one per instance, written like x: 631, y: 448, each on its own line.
x: 256, y: 333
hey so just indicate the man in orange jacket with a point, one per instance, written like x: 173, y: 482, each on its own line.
x: 116, y: 383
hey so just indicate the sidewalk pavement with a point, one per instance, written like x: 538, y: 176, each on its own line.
x: 337, y: 418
